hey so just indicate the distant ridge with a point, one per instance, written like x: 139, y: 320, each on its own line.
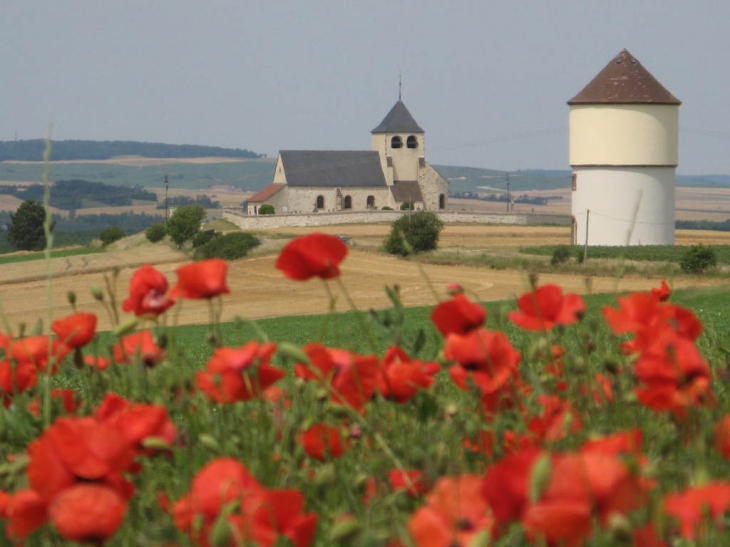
x: 32, y: 150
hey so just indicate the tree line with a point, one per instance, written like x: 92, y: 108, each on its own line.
x: 76, y: 194
x: 32, y: 150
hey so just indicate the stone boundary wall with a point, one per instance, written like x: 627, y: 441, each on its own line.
x: 261, y: 222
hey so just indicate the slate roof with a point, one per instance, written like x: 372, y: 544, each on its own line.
x: 398, y: 120
x: 624, y: 80
x: 406, y: 190
x: 332, y: 168
x: 265, y: 193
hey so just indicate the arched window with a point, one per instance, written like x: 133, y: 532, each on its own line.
x: 412, y: 142
x: 396, y: 142
x: 320, y: 202
x: 442, y: 201
x: 348, y: 202
x: 371, y: 202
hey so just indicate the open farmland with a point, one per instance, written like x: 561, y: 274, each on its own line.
x: 260, y: 291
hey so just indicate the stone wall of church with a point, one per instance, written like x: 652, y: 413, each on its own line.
x: 304, y: 200
x: 433, y: 185
x: 249, y: 222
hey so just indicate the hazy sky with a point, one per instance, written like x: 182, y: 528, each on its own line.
x: 488, y: 81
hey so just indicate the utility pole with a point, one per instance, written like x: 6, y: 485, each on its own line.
x: 585, y: 248
x: 167, y: 203
x: 509, y: 196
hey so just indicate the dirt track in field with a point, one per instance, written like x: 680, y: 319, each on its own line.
x: 258, y: 290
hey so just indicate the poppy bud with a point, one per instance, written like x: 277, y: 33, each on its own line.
x: 344, y: 530
x: 97, y: 293
x: 71, y: 297
x: 294, y: 352
x: 125, y: 328
x: 325, y: 476
x: 540, y: 476
x: 209, y: 441
x: 481, y: 539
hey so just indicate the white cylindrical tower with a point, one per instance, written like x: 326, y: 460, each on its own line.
x: 624, y: 152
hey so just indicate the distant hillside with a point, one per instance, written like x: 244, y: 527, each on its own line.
x: 473, y: 179
x: 32, y: 150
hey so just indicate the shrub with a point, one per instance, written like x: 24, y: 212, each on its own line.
x: 266, y: 209
x: 201, y: 238
x: 414, y: 233
x: 185, y: 223
x: 228, y: 247
x: 406, y: 205
x: 386, y: 208
x: 156, y: 232
x: 111, y: 234
x: 561, y: 254
x: 698, y: 258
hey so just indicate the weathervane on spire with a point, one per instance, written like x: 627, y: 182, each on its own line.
x: 400, y: 85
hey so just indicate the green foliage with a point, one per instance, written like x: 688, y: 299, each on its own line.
x: 386, y: 208
x: 406, y: 205
x: 698, y: 258
x: 652, y: 253
x: 156, y: 232
x: 111, y: 234
x: 25, y: 231
x: 266, y: 209
x: 203, y: 237
x: 185, y: 223
x: 228, y: 247
x: 414, y: 233
x: 202, y: 200
x: 561, y: 254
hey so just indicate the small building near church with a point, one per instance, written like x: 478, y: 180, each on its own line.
x: 394, y: 172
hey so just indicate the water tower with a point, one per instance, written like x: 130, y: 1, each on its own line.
x: 624, y: 152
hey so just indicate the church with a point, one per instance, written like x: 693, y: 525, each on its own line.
x: 394, y: 172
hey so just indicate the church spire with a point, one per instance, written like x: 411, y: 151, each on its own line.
x: 400, y: 86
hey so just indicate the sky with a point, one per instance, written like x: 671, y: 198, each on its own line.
x: 487, y: 81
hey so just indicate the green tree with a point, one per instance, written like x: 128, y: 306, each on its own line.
x: 111, y: 234
x: 156, y: 232
x: 698, y: 258
x: 266, y: 209
x: 414, y: 233
x: 25, y: 231
x: 185, y: 223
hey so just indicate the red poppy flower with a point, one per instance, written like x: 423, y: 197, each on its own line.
x: 580, y: 486
x: 100, y: 363
x: 26, y: 511
x: 412, y: 481
x: 239, y: 374
x: 546, y: 307
x: 400, y: 378
x: 147, y: 288
x: 695, y: 505
x: 312, y: 255
x: 505, y: 486
x: 222, y: 482
x: 138, y: 347
x: 455, y: 512
x: 722, y: 436
x: 37, y: 350
x: 673, y: 374
x: 485, y: 357
x: 137, y: 422
x: 280, y: 513
x: 16, y: 378
x: 76, y: 330
x: 663, y: 292
x: 87, y: 513
x: 351, y: 378
x: 458, y: 315
x: 75, y: 450
x: 321, y: 442
x: 201, y: 280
